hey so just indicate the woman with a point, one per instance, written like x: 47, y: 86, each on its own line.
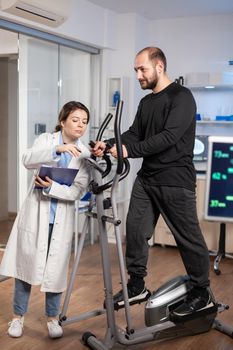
x: 39, y: 245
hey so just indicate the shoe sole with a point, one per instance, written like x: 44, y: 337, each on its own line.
x: 210, y: 304
x: 138, y: 299
x: 55, y: 336
x: 15, y: 336
x: 205, y: 311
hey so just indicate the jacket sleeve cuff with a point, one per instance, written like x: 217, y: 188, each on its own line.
x: 55, y: 154
x: 46, y: 190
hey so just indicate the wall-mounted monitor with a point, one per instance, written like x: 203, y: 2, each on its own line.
x: 219, y: 179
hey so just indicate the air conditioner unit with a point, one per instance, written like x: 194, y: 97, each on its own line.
x: 38, y: 11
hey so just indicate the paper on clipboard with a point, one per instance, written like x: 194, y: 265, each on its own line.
x: 64, y: 176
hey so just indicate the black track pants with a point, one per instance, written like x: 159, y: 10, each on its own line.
x: 178, y: 207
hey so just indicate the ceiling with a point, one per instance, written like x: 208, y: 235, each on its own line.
x: 162, y: 9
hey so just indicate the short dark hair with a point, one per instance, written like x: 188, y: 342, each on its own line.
x: 155, y: 54
x: 68, y: 108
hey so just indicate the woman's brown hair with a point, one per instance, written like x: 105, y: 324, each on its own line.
x: 68, y: 108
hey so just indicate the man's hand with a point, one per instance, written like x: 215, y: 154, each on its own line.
x: 113, y: 151
x: 98, y: 149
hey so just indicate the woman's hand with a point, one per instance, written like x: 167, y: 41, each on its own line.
x: 70, y: 148
x: 39, y: 182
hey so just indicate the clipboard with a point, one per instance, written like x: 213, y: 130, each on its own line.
x: 64, y: 176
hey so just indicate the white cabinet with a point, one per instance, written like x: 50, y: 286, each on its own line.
x: 120, y: 84
x: 116, y: 84
x: 214, y: 103
x: 113, y: 84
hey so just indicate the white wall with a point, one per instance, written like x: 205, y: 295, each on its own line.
x: 12, y: 135
x: 200, y: 45
x: 197, y: 44
x: 3, y: 137
x: 8, y: 42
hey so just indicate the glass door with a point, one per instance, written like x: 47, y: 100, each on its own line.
x: 75, y: 78
x: 49, y: 76
x: 38, y: 97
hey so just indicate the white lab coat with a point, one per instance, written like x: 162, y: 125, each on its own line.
x: 25, y: 256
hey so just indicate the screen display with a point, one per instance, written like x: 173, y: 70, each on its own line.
x: 219, y: 184
x: 200, y: 148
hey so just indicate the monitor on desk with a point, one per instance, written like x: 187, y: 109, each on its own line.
x: 219, y: 180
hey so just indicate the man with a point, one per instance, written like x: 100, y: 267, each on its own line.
x: 163, y: 134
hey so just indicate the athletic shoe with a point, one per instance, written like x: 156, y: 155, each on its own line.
x: 135, y: 296
x: 16, y: 327
x: 197, y: 299
x: 55, y: 330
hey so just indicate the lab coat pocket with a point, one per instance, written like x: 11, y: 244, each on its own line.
x: 28, y: 216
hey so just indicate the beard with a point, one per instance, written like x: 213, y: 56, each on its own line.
x: 149, y: 83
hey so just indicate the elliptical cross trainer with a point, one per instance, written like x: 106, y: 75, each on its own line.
x: 158, y: 321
